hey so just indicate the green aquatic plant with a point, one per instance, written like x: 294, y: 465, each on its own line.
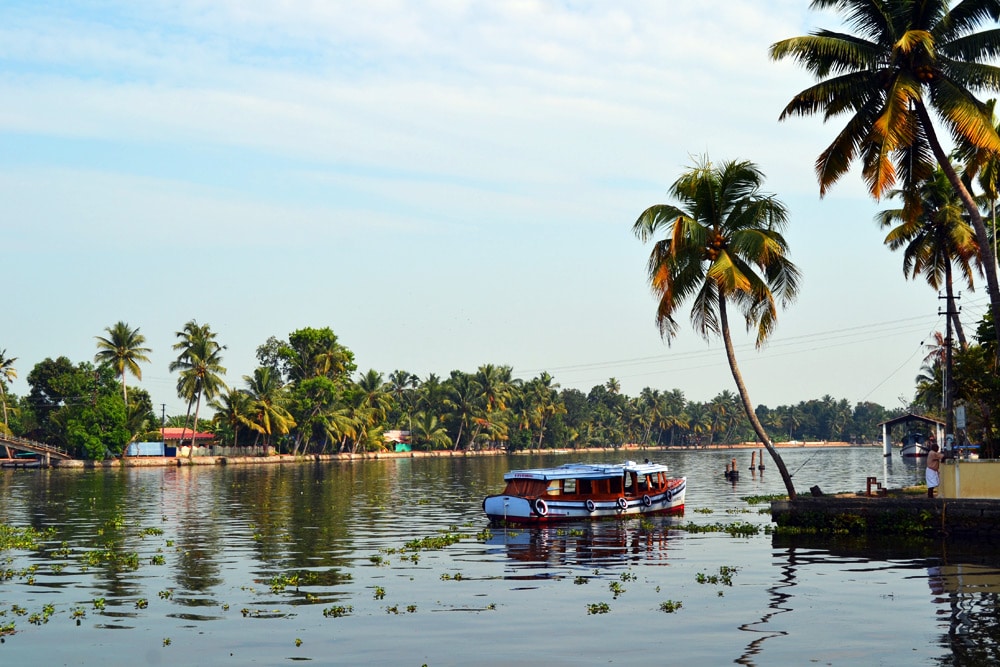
x: 598, y: 608
x: 379, y: 593
x: 434, y: 542
x: 756, y: 500
x: 338, y: 611
x: 579, y: 581
x: 670, y: 606
x: 26, y: 538
x: 724, y: 577
x: 99, y: 604
x: 141, y: 603
x: 735, y: 529
x: 616, y: 589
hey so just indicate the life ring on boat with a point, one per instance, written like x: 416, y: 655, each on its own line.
x: 647, y: 501
x: 540, y: 507
x: 622, y: 503
x: 670, y: 495
x: 590, y: 505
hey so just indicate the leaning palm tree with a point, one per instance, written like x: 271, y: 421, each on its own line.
x: 905, y: 58
x: 723, y: 247
x: 122, y: 350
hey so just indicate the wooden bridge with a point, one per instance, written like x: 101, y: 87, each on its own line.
x: 46, y: 452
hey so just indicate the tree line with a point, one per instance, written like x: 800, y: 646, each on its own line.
x: 306, y: 396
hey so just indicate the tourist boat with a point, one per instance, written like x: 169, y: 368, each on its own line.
x: 586, y: 491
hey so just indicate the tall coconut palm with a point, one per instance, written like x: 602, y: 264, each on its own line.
x: 935, y: 240
x: 7, y: 374
x: 123, y: 349
x: 905, y: 58
x: 200, y: 367
x: 722, y: 247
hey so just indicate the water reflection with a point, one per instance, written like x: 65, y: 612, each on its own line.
x: 591, y: 543
x: 778, y: 599
x: 963, y: 580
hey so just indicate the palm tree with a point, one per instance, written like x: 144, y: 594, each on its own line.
x: 904, y: 57
x: 7, y: 374
x: 935, y: 239
x: 722, y: 246
x: 232, y: 409
x: 200, y: 366
x: 428, y: 432
x: 123, y: 350
x: 461, y: 403
x: 268, y: 401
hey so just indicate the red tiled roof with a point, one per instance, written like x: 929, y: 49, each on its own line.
x: 177, y: 433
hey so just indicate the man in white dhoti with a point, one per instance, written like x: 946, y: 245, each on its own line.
x: 933, y: 476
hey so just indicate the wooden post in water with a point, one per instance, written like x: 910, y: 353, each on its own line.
x: 753, y: 460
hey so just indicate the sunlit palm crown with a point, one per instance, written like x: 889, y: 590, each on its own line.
x: 722, y: 240
x: 937, y: 235
x: 903, y: 55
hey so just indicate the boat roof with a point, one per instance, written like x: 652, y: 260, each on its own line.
x: 587, y: 471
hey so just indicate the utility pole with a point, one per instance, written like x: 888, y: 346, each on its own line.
x: 948, y: 394
x: 163, y: 424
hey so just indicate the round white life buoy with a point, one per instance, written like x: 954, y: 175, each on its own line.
x: 622, y: 503
x: 670, y: 495
x: 590, y: 505
x: 540, y: 507
x: 647, y: 501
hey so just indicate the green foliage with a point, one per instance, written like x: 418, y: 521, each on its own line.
x: 598, y: 608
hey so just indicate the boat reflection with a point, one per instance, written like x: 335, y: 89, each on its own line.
x: 587, y: 543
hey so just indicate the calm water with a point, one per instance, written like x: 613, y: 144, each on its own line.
x: 219, y: 549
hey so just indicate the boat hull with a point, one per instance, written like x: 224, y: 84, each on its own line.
x: 517, y: 509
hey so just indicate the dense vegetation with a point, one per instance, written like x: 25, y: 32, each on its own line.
x: 306, y: 395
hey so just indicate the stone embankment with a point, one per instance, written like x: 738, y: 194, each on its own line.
x: 893, y: 514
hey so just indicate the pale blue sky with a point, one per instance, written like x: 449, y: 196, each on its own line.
x: 444, y: 184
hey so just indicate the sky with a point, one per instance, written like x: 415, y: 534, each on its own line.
x: 444, y: 184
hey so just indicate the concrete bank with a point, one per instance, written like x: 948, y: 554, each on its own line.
x: 902, y: 514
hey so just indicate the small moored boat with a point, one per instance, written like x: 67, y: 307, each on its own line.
x: 586, y: 491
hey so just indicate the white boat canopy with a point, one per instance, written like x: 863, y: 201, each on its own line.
x: 587, y: 471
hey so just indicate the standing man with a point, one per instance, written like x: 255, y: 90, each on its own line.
x: 934, y: 458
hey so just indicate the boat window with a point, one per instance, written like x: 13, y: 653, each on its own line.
x: 569, y: 486
x: 555, y: 487
x: 615, y: 485
x: 586, y: 486
x: 524, y: 487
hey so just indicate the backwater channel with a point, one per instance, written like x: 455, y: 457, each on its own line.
x: 392, y: 561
